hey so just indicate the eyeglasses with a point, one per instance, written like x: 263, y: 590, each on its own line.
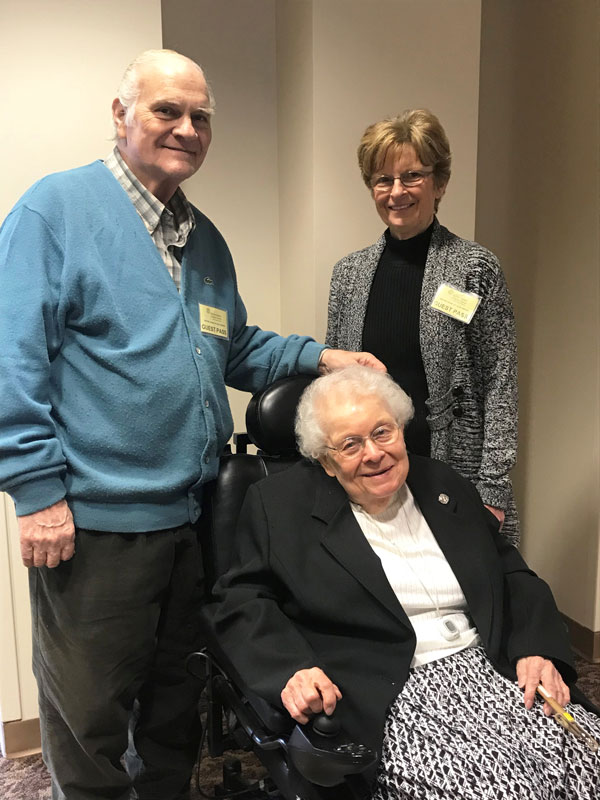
x: 385, y: 183
x: 381, y: 436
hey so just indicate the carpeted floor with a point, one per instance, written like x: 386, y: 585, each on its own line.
x: 26, y: 778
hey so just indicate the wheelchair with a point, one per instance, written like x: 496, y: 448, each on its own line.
x: 316, y: 761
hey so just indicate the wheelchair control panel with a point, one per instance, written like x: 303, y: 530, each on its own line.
x: 324, y: 754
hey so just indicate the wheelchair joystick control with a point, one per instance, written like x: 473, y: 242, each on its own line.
x: 324, y: 754
x: 326, y: 726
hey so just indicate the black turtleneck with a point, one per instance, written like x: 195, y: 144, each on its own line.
x: 391, y: 329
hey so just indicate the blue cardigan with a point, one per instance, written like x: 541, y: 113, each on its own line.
x: 111, y: 396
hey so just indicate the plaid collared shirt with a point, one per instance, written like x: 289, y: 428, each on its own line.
x: 169, y: 226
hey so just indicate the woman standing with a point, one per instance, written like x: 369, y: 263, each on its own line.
x: 435, y: 309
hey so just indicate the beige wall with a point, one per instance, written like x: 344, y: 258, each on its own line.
x: 343, y: 64
x: 296, y: 143
x: 375, y: 59
x: 61, y: 62
x: 538, y: 208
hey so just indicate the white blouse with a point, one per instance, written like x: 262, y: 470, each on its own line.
x: 421, y: 578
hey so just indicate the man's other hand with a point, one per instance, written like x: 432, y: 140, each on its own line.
x: 47, y: 536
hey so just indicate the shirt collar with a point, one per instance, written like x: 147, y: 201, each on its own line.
x: 146, y: 204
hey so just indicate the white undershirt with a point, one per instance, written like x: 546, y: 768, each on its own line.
x: 419, y: 575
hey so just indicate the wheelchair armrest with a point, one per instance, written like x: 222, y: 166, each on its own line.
x: 273, y: 718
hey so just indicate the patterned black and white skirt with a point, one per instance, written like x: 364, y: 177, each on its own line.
x: 459, y: 729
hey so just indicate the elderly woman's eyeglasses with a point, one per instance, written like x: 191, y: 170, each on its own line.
x: 385, y: 183
x: 353, y: 445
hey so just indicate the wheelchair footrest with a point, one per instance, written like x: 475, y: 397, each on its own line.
x: 234, y: 783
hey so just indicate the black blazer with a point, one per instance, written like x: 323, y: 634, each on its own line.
x: 306, y: 589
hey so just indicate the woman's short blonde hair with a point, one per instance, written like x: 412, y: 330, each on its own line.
x: 417, y: 127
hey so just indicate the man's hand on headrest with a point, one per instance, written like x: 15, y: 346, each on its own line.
x: 338, y: 359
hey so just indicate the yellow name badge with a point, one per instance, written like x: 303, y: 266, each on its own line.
x: 213, y: 321
x: 454, y: 303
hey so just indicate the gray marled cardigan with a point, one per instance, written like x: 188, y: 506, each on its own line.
x: 471, y: 369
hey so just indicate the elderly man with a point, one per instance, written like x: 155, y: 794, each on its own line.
x: 120, y: 324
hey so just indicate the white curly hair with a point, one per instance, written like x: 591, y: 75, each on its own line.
x: 354, y: 381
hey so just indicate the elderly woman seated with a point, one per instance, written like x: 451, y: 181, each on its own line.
x: 378, y: 585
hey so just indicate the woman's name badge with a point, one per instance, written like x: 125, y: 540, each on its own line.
x: 454, y: 303
x: 213, y: 321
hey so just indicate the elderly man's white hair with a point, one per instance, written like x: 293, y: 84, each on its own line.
x: 354, y: 382
x: 129, y: 88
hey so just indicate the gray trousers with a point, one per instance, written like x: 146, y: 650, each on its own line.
x: 111, y: 627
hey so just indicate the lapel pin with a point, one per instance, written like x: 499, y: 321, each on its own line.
x: 444, y: 499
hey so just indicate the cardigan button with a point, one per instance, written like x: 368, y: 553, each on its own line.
x: 457, y: 411
x: 458, y: 391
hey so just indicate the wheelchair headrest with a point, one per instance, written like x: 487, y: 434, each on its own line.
x: 271, y: 413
